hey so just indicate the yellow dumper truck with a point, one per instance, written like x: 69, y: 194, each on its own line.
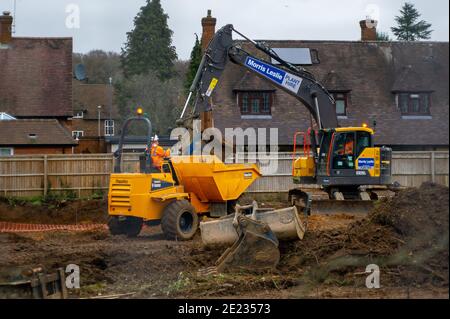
x: 175, y: 195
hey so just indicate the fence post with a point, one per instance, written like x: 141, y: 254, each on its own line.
x: 433, y: 167
x: 45, y: 175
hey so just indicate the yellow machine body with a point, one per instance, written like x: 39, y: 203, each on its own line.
x: 371, y: 152
x: 304, y: 167
x: 201, y: 180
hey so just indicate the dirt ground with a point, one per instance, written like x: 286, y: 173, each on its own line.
x: 407, y: 237
x: 56, y: 212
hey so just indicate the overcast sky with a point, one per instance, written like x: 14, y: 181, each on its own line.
x: 104, y: 23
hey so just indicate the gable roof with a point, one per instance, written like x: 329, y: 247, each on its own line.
x: 43, y: 132
x: 87, y: 98
x: 372, y: 71
x: 36, y: 77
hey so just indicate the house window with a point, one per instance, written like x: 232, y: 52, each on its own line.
x: 77, y: 134
x: 255, y: 103
x: 78, y: 115
x: 341, y: 99
x: 6, y: 151
x: 414, y: 103
x: 109, y: 128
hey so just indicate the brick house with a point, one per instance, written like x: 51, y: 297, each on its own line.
x: 398, y: 88
x: 35, y: 92
x: 34, y: 136
x: 95, y: 116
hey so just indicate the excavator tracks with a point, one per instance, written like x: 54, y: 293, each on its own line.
x: 319, y: 201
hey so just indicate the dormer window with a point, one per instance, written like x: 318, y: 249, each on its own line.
x: 255, y: 102
x: 414, y: 103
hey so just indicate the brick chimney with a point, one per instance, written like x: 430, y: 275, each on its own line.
x: 5, y: 27
x: 209, y: 29
x: 368, y: 30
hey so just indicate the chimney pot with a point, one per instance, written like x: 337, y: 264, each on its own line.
x: 209, y: 30
x: 5, y: 27
x: 368, y: 29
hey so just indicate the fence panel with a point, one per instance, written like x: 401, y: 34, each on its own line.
x: 82, y: 175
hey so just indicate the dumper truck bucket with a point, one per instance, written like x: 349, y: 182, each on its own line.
x: 211, y: 179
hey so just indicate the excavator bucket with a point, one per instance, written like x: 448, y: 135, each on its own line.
x: 256, y: 249
x: 285, y: 224
x: 253, y: 239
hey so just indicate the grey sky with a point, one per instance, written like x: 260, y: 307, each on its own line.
x: 104, y: 23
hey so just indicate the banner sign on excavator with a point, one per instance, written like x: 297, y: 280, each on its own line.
x: 366, y: 163
x: 283, y: 78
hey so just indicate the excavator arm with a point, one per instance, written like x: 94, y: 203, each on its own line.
x: 256, y: 245
x: 291, y: 79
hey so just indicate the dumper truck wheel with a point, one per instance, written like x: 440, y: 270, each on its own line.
x: 179, y: 220
x: 131, y: 226
x: 114, y: 226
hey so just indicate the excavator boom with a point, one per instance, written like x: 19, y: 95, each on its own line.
x: 297, y: 82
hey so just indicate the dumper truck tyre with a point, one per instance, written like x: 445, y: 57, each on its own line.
x: 179, y: 220
x: 131, y: 226
x: 114, y: 226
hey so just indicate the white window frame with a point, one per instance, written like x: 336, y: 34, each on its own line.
x: 109, y: 124
x: 77, y: 134
x: 78, y: 116
x: 11, y: 151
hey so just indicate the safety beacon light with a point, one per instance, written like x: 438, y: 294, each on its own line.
x: 140, y: 111
x: 364, y: 125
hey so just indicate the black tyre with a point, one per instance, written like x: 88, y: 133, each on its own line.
x: 179, y: 220
x: 131, y: 226
x: 114, y: 226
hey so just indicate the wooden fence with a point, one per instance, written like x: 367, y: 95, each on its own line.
x: 84, y: 175
x: 408, y: 168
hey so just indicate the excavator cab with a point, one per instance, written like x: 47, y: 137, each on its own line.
x: 339, y: 151
x: 346, y: 165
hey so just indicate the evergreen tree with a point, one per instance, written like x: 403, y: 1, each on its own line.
x: 383, y: 36
x: 196, y: 58
x: 408, y: 29
x: 149, y: 45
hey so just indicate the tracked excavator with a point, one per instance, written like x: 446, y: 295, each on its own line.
x: 339, y: 170
x: 339, y: 166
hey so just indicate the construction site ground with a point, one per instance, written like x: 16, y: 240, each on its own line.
x: 407, y: 237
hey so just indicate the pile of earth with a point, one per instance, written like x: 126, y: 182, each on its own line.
x: 53, y: 212
x: 406, y: 236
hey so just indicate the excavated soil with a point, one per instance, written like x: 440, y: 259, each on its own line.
x: 55, y: 212
x: 406, y: 236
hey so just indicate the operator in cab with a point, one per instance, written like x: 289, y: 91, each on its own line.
x: 157, y: 153
x: 346, y: 148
